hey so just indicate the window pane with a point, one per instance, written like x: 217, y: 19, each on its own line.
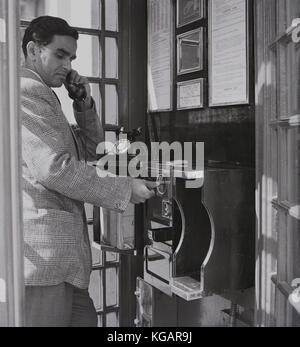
x: 88, y: 210
x: 111, y: 57
x: 274, y: 162
x: 30, y: 9
x: 282, y: 81
x: 283, y: 166
x: 95, y: 91
x: 293, y: 167
x: 88, y: 56
x: 273, y: 94
x: 112, y: 320
x: 293, y: 70
x: 112, y: 284
x: 111, y: 104
x: 282, y: 251
x: 127, y: 232
x: 95, y: 248
x: 111, y: 15
x: 293, y: 246
x: 76, y: 12
x: 110, y: 136
x: 66, y: 103
x: 109, y: 227
x: 96, y: 290
x: 293, y: 263
x: 112, y: 257
x: 289, y: 66
x: 114, y: 232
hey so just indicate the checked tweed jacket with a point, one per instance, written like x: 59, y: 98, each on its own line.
x: 56, y: 183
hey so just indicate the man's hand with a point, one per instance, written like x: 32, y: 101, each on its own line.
x: 74, y: 80
x: 142, y: 190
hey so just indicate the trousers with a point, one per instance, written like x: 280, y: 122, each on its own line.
x: 59, y: 306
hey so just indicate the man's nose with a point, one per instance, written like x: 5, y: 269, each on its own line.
x: 67, y: 64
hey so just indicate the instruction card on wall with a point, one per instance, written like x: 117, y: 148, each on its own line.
x: 190, y: 94
x: 160, y: 55
x: 229, y: 54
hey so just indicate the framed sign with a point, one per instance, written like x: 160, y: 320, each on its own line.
x: 189, y: 11
x: 160, y: 55
x: 228, y: 52
x: 190, y: 94
x: 190, y: 51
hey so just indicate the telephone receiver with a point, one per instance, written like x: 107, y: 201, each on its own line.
x: 76, y: 91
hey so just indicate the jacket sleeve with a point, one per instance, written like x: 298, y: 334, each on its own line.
x: 89, y: 131
x: 53, y: 166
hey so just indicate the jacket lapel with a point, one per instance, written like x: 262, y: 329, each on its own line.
x: 31, y: 74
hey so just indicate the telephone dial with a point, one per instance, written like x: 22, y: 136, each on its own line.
x: 122, y: 145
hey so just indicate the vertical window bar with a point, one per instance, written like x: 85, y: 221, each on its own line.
x: 103, y: 116
x: 102, y: 44
x: 119, y: 65
x: 104, y: 321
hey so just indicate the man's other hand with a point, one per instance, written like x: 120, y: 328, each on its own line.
x: 142, y: 190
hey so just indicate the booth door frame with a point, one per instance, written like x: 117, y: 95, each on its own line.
x: 11, y: 237
x: 277, y: 149
x: 132, y: 93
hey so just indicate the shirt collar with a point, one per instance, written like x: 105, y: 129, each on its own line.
x: 35, y: 73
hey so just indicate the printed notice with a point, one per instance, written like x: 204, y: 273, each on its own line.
x: 228, y: 52
x: 160, y: 57
x: 190, y: 94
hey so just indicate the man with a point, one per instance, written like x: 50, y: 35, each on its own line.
x: 57, y: 181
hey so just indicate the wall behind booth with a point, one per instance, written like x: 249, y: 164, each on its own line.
x: 228, y: 133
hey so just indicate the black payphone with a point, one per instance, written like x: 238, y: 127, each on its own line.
x: 201, y: 240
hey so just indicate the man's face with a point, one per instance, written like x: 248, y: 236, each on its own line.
x: 54, y: 60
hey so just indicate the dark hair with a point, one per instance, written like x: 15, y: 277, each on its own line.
x: 42, y: 30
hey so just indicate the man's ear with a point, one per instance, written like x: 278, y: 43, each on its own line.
x: 31, y: 50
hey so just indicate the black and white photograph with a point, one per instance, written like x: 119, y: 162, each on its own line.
x: 149, y: 166
x: 190, y: 51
